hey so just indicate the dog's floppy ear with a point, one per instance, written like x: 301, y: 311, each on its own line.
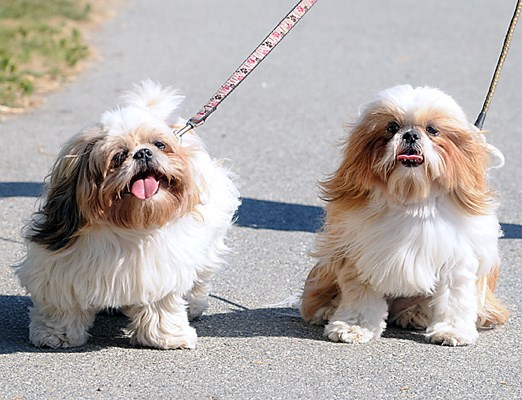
x: 59, y: 218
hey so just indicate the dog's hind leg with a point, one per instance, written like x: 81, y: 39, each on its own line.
x: 410, y: 313
x: 319, y: 298
x: 491, y: 310
x: 197, y: 298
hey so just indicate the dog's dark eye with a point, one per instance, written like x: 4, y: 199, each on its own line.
x: 393, y: 127
x: 159, y: 144
x: 119, y: 158
x: 432, y: 130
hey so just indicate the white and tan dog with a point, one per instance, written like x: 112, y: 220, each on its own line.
x: 409, y: 219
x: 131, y: 219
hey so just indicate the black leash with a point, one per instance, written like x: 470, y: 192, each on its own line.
x: 500, y: 63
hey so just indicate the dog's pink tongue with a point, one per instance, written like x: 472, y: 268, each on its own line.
x: 145, y: 188
x: 409, y: 157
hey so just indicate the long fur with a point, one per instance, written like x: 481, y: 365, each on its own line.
x: 59, y: 218
x: 426, y: 232
x: 95, y: 244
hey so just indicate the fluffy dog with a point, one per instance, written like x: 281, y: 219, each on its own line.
x: 410, y: 225
x: 131, y: 219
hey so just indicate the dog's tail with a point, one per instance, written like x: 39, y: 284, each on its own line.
x: 318, y: 294
x: 491, y: 310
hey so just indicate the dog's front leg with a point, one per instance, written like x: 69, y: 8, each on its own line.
x: 163, y: 324
x: 360, y: 315
x: 59, y: 328
x: 454, y: 306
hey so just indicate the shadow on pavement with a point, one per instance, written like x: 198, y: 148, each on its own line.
x: 263, y: 214
x: 108, y: 329
x: 258, y: 322
x: 276, y: 322
x: 21, y: 189
x: 14, y: 324
x: 14, y: 330
x: 511, y: 231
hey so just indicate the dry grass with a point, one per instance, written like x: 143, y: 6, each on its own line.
x: 42, y: 44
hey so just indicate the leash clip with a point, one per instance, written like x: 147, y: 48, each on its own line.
x: 188, y: 126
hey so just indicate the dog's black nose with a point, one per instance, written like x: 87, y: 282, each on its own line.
x: 143, y: 155
x: 410, y: 137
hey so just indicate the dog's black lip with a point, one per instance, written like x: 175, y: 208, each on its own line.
x: 411, y: 151
x: 411, y: 164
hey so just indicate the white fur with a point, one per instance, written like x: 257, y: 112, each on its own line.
x: 429, y: 247
x: 402, y: 250
x: 148, y: 105
x: 149, y: 273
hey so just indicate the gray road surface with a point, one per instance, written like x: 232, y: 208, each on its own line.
x: 279, y: 128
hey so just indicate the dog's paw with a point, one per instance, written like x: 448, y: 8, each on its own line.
x: 451, y: 339
x: 340, y: 331
x: 185, y: 338
x: 44, y: 336
x: 449, y: 336
x: 413, y: 318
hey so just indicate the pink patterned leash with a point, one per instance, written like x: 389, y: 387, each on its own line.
x: 253, y: 60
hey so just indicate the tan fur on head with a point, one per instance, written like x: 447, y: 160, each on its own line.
x: 106, y: 196
x: 369, y: 161
x: 90, y: 185
x: 409, y: 215
x: 60, y: 217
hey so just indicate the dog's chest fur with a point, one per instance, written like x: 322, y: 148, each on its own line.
x: 109, y: 267
x: 403, y: 250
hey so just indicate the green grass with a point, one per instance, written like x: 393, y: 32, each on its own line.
x: 38, y: 43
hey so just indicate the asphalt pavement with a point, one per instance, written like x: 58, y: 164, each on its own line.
x: 280, y: 128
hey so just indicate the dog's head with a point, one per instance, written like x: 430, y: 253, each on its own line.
x: 412, y: 143
x: 128, y: 171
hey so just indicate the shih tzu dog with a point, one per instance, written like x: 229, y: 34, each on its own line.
x: 131, y: 219
x: 410, y: 233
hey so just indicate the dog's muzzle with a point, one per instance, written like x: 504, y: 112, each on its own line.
x: 410, y: 154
